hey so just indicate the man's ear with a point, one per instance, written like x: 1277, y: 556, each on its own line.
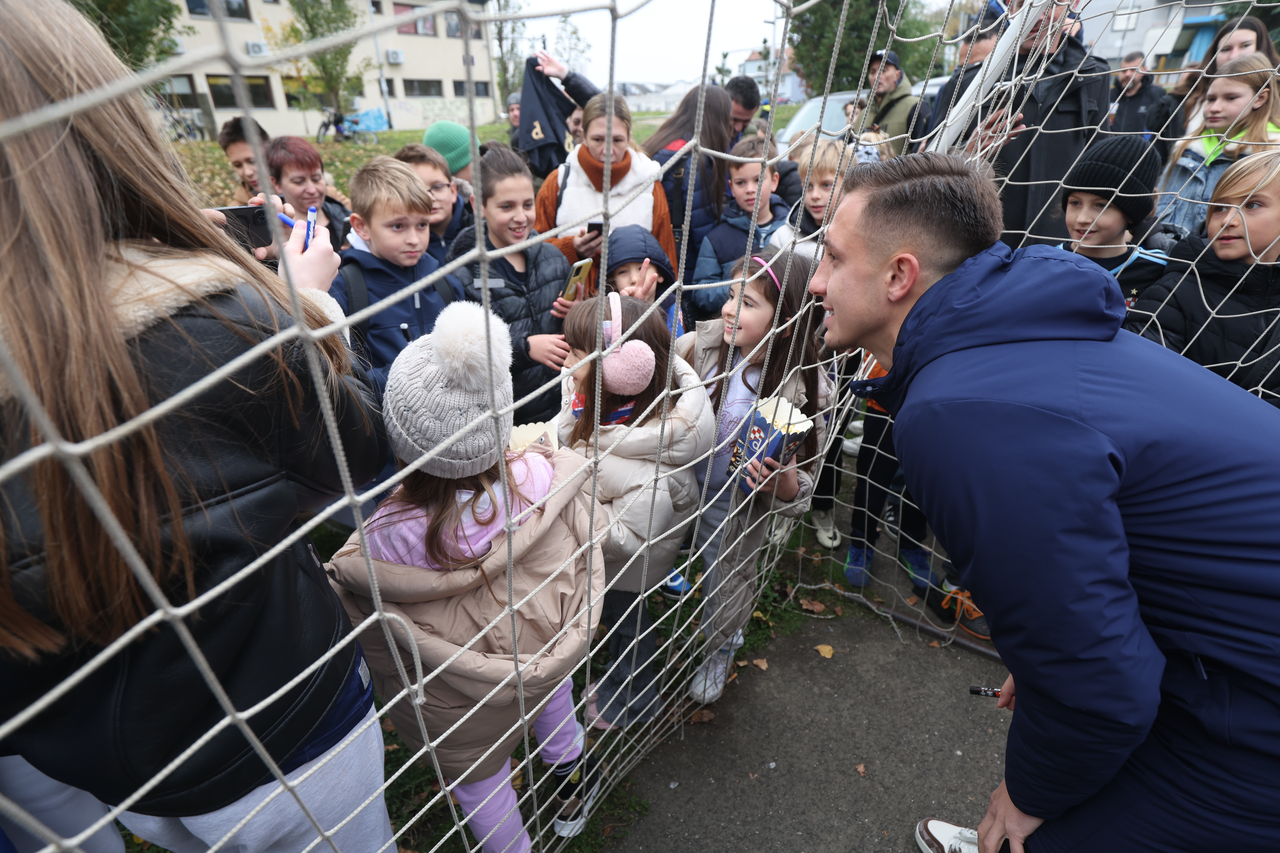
x: 773, y: 182
x: 904, y: 272
x: 359, y: 226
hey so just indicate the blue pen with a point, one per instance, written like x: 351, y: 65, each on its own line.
x: 288, y: 223
x: 311, y: 227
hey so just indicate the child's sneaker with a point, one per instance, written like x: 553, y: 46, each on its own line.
x: 780, y: 530
x: 857, y: 563
x: 576, y: 791
x: 938, y: 836
x: 889, y: 519
x: 675, y: 587
x: 825, y: 521
x: 710, y: 677
x: 967, y: 615
x: 916, y: 561
x: 852, y: 446
x: 592, y: 715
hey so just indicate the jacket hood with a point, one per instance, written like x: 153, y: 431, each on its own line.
x: 369, y: 261
x: 1146, y: 83
x: 1235, y: 276
x: 996, y: 297
x: 633, y: 243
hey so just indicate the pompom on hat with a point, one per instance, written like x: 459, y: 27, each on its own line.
x: 439, y: 384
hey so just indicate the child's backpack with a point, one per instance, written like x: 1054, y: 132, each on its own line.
x: 358, y: 300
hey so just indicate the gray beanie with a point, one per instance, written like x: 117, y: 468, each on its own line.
x: 513, y: 100
x: 440, y: 383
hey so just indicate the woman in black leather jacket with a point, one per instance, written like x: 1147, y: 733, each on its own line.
x: 116, y: 296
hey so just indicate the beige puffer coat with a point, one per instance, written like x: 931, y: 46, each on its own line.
x: 447, y: 610
x: 626, y: 485
x: 733, y: 599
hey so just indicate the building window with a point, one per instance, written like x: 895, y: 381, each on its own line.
x: 423, y: 88
x: 421, y: 27
x: 453, y: 27
x: 179, y: 92
x: 460, y: 88
x: 234, y: 8
x: 391, y: 87
x: 1124, y: 22
x: 376, y: 5
x: 224, y: 97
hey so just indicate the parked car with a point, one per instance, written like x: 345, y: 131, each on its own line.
x: 928, y: 90
x: 807, y: 116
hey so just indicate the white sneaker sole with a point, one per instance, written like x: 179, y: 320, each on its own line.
x: 574, y: 827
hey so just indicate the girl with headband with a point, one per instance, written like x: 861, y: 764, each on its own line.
x: 767, y: 304
x: 651, y: 423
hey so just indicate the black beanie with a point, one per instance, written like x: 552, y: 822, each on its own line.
x: 1102, y: 170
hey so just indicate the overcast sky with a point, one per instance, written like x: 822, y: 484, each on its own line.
x: 666, y: 40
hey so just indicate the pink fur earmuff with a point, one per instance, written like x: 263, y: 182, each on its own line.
x: 628, y: 370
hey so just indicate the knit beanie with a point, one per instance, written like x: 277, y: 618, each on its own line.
x: 452, y: 141
x: 438, y: 384
x: 513, y: 99
x: 1102, y: 170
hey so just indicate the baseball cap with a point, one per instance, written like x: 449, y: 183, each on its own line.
x: 887, y: 56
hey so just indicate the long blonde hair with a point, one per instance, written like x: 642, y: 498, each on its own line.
x: 1255, y: 72
x: 71, y: 191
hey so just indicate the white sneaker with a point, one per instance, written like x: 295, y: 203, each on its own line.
x: 709, y: 679
x: 938, y: 836
x: 852, y: 446
x: 780, y: 530
x: 825, y: 521
x: 856, y: 427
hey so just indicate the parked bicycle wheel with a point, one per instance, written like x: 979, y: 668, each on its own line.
x: 324, y: 129
x: 363, y: 137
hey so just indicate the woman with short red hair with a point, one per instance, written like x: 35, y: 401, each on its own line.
x: 297, y: 173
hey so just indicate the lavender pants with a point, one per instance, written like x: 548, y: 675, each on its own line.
x: 490, y: 804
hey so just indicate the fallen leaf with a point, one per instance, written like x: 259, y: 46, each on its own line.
x: 801, y: 550
x: 761, y: 662
x: 935, y: 645
x: 773, y: 635
x: 418, y: 798
x: 740, y: 663
x: 146, y: 845
x: 754, y: 775
x: 387, y: 725
x: 606, y: 829
x: 790, y: 589
x: 391, y: 747
x: 825, y: 650
x: 913, y: 600
x: 435, y: 787
x: 841, y: 587
x: 812, y: 606
x: 838, y: 611
x: 702, y: 715
x: 757, y: 615
x: 862, y: 769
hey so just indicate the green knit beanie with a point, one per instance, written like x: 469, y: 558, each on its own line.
x: 452, y: 141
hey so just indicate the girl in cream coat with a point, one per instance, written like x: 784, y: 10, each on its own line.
x: 646, y: 483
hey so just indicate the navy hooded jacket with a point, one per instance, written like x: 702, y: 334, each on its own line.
x: 723, y: 248
x: 635, y: 244
x: 462, y: 217
x: 419, y: 312
x: 1124, y: 547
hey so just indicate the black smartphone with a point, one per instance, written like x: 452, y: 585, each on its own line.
x: 595, y: 227
x: 247, y: 225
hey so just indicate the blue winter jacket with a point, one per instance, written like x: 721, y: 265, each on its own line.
x: 676, y: 185
x: 723, y: 248
x: 1187, y: 187
x: 419, y: 311
x: 1124, y: 548
x: 462, y: 217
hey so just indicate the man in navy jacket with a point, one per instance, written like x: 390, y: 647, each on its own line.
x: 1113, y: 507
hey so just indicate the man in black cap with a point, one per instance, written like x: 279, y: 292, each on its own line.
x: 896, y: 111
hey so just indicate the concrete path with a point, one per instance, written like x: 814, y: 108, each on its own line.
x: 781, y: 766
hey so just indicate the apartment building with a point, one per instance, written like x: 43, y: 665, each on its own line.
x: 422, y: 64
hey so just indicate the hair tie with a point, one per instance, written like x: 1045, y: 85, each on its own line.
x: 761, y: 262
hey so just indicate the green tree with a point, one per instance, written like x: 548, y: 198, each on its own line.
x: 509, y: 58
x: 329, y: 75
x: 812, y: 38
x: 723, y: 68
x: 140, y: 31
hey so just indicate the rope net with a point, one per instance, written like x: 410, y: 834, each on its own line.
x: 768, y: 559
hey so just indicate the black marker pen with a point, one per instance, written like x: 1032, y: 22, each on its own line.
x: 993, y: 692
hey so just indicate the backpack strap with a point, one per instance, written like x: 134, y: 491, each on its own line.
x: 562, y: 178
x: 442, y: 288
x: 357, y: 300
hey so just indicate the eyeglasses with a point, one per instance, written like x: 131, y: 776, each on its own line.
x: 438, y: 189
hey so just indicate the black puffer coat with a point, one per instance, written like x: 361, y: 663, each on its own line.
x: 527, y: 310
x: 1216, y: 313
x: 248, y: 465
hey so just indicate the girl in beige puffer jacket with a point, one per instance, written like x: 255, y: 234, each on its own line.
x: 449, y: 549
x: 651, y: 425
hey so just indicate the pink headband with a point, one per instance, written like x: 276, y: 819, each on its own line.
x: 761, y: 262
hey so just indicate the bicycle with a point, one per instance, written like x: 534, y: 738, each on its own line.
x: 344, y: 129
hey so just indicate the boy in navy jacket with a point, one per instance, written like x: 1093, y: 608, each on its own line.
x: 724, y: 247
x: 391, y: 215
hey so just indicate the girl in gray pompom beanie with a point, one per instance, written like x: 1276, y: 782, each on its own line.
x: 441, y: 561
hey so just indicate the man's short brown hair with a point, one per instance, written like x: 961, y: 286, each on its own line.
x: 386, y: 181
x: 415, y: 153
x: 944, y: 198
x: 755, y: 148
